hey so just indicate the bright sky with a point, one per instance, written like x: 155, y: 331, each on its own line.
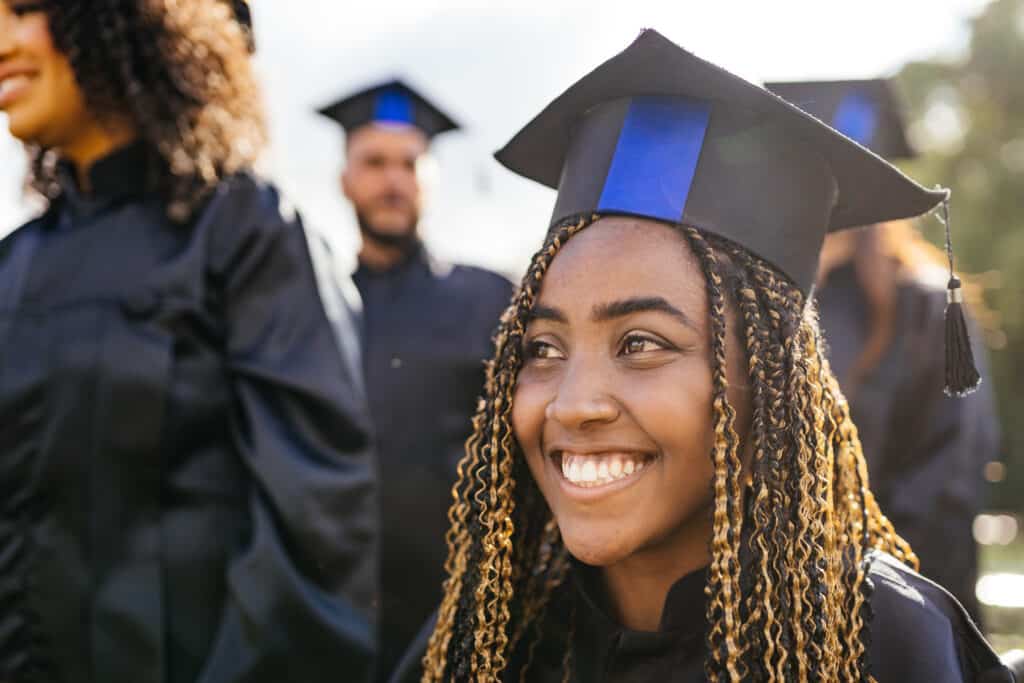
x: 494, y: 64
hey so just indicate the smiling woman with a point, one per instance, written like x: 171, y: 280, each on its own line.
x: 664, y: 482
x: 186, y: 492
x: 84, y: 79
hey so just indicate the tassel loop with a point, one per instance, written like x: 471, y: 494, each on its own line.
x: 962, y: 376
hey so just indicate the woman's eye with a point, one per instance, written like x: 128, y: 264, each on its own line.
x: 542, y: 350
x: 636, y: 343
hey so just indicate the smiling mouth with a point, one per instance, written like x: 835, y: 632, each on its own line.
x: 599, y: 469
x: 10, y: 85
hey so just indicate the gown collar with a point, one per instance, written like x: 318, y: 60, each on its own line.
x: 126, y: 173
x: 599, y: 637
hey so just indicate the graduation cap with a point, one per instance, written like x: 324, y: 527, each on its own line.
x: 657, y: 132
x: 391, y: 102
x: 863, y: 110
x: 243, y: 15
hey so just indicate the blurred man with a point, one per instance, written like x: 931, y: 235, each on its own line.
x: 881, y: 301
x: 427, y: 329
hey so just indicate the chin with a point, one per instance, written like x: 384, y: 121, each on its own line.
x: 594, y: 548
x: 397, y: 224
x: 22, y: 129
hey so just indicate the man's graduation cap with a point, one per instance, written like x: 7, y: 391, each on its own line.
x: 393, y: 102
x: 657, y: 132
x: 866, y: 111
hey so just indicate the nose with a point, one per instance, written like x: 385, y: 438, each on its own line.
x: 584, y: 398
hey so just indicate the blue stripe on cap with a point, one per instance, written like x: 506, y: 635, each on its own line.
x: 856, y: 117
x: 393, y: 105
x: 656, y: 157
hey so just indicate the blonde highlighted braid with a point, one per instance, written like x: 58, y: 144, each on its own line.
x: 787, y: 589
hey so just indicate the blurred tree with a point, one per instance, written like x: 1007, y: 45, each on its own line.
x: 967, y: 120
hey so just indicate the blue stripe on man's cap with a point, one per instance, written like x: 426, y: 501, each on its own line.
x: 656, y: 157
x: 856, y: 117
x: 393, y: 105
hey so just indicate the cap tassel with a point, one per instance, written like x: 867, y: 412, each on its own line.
x: 962, y: 376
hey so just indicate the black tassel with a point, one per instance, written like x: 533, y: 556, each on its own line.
x: 962, y: 376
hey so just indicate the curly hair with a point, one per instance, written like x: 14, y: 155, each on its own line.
x: 179, y: 72
x: 803, y: 517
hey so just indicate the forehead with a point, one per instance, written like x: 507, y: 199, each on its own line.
x: 620, y: 257
x: 386, y: 138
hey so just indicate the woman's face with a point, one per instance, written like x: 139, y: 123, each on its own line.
x: 38, y: 91
x: 613, y: 406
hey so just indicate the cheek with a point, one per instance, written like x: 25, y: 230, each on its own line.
x: 676, y: 409
x: 362, y: 184
x: 528, y: 404
x: 411, y: 184
x: 33, y: 36
x: 55, y: 107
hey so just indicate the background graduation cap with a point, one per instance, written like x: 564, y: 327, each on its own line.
x: 863, y: 110
x: 390, y: 102
x: 657, y: 132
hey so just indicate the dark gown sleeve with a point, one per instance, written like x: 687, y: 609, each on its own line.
x: 299, y: 590
x: 920, y: 633
x: 936, y: 454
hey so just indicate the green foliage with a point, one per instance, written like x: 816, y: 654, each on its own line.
x: 967, y: 119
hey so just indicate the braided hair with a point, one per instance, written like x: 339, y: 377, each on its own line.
x: 803, y: 517
x: 179, y: 72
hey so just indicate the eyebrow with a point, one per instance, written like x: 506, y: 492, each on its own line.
x: 618, y: 309
x: 656, y: 304
x: 547, y: 313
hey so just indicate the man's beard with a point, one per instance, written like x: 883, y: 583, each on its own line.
x: 404, y: 241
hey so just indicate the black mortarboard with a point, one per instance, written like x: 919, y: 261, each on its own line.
x: 658, y: 132
x: 866, y: 111
x: 391, y: 102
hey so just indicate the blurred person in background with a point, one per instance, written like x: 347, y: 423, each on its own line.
x: 186, y: 486
x: 427, y: 329
x: 881, y: 296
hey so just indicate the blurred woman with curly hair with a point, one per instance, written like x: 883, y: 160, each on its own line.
x: 664, y: 483
x: 185, y: 485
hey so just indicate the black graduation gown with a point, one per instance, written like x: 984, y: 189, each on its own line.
x: 925, y: 450
x: 186, y: 490
x: 919, y: 634
x: 427, y: 332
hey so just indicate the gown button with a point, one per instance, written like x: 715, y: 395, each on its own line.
x: 396, y: 362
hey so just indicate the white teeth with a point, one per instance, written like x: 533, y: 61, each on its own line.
x: 598, y: 470
x: 615, y: 468
x: 589, y: 472
x: 12, y: 81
